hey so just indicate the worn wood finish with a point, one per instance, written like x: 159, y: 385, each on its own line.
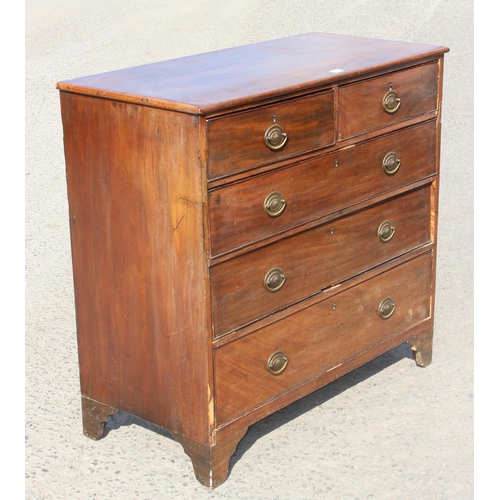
x: 211, y: 463
x: 316, y: 259
x: 141, y: 281
x: 318, y: 187
x: 314, y: 299
x: 319, y: 338
x: 360, y: 104
x: 215, y: 81
x: 273, y: 405
x: 95, y: 415
x: 236, y: 142
x: 421, y: 348
x: 167, y: 173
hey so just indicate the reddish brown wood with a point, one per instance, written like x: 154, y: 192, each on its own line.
x: 318, y: 187
x: 319, y: 297
x: 360, y: 104
x: 170, y: 239
x: 206, y: 83
x: 236, y: 142
x: 211, y: 463
x: 296, y: 393
x: 224, y: 181
x: 320, y: 338
x: 316, y: 259
x: 140, y: 272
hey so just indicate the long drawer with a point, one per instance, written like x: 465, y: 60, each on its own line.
x: 319, y: 338
x: 268, y: 204
x: 387, y: 100
x: 244, y: 140
x: 262, y: 282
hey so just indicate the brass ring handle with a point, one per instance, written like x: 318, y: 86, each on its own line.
x: 274, y: 279
x: 391, y: 102
x: 274, y: 204
x: 391, y: 163
x: 386, y: 308
x: 277, y: 363
x: 386, y: 231
x: 275, y: 137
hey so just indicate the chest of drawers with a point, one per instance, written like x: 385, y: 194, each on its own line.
x: 247, y: 226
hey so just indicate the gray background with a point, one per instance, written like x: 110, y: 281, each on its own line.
x: 388, y: 430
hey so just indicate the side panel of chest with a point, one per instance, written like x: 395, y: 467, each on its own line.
x: 141, y: 282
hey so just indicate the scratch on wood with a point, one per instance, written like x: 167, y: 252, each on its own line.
x: 178, y: 224
x: 188, y: 200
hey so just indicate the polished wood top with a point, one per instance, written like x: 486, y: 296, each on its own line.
x: 217, y: 80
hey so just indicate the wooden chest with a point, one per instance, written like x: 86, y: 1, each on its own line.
x: 248, y: 225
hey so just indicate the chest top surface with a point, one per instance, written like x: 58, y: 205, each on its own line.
x: 217, y: 80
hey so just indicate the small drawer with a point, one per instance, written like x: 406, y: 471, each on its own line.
x: 244, y: 140
x: 387, y: 100
x: 261, y: 366
x: 268, y: 204
x: 262, y: 282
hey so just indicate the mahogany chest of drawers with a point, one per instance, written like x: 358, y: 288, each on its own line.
x: 248, y: 225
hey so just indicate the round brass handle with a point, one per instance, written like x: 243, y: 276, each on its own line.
x: 274, y: 204
x: 275, y: 137
x: 391, y: 102
x: 274, y: 279
x: 391, y: 163
x: 386, y: 308
x: 277, y: 363
x: 386, y: 231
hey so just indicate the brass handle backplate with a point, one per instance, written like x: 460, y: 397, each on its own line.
x: 391, y: 163
x: 391, y: 102
x: 274, y: 204
x: 386, y: 231
x: 386, y: 308
x: 274, y: 279
x: 275, y: 137
x: 277, y: 363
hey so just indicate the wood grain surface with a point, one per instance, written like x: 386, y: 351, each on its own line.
x: 226, y: 78
x: 167, y: 173
x: 316, y: 259
x: 236, y: 142
x: 360, y: 104
x: 320, y: 338
x: 141, y: 282
x: 318, y: 187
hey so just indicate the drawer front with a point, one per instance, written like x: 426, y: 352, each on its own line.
x: 409, y: 93
x: 320, y: 337
x: 238, y: 142
x: 262, y: 282
x: 318, y: 187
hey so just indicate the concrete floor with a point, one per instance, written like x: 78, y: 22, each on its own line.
x: 389, y: 430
